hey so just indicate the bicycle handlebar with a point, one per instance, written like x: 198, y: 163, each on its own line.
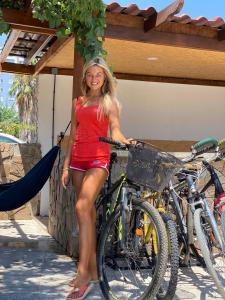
x: 204, y: 146
x: 113, y: 142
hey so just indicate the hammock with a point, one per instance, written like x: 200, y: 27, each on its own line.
x: 17, y: 193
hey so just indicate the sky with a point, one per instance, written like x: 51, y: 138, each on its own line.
x: 194, y: 8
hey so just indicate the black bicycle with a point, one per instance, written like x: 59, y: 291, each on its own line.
x: 133, y: 245
x: 207, y: 222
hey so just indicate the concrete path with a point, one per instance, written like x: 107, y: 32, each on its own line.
x: 33, y: 267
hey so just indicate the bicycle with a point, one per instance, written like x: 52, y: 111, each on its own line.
x: 128, y: 267
x: 207, y: 224
x: 177, y: 199
x: 210, y: 227
x: 169, y: 284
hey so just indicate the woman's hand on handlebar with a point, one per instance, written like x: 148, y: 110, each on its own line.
x: 131, y: 141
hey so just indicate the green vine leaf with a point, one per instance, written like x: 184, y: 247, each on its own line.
x: 4, y: 27
x: 83, y: 19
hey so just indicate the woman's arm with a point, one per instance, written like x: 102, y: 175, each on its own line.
x: 114, y: 123
x: 65, y: 173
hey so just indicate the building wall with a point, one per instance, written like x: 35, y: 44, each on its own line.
x: 62, y: 108
x: 171, y: 111
x: 156, y: 111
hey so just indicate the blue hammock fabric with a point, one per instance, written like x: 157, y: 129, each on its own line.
x: 17, y: 193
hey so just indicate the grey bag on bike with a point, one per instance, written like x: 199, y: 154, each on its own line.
x: 150, y: 167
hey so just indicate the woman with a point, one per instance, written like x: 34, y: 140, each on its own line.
x: 94, y: 114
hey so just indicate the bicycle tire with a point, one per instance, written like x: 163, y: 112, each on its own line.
x: 223, y: 223
x: 168, y: 290
x: 190, y: 226
x: 111, y: 289
x: 208, y: 251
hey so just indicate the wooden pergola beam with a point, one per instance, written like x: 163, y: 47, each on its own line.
x: 23, y: 69
x: 156, y: 19
x: 9, y: 44
x: 165, y: 14
x: 53, y: 51
x: 41, y: 43
x: 17, y: 68
x: 149, y: 23
x: 165, y: 38
x: 164, y: 79
x: 129, y: 28
x: 221, y: 34
x: 25, y: 22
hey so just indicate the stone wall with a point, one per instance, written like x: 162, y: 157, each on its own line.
x: 15, y: 161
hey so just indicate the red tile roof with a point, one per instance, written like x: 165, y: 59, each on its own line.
x: 217, y: 22
x: 133, y: 10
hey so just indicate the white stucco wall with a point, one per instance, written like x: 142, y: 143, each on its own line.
x: 149, y: 110
x: 171, y: 111
x: 63, y: 101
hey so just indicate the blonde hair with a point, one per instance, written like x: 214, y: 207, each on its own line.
x: 108, y: 88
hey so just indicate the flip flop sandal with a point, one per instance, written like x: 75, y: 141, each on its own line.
x: 71, y: 282
x: 81, y: 292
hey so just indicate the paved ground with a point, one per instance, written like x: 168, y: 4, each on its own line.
x: 33, y: 267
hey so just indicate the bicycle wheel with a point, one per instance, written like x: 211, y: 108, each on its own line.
x: 223, y: 223
x: 213, y: 256
x: 137, y: 272
x: 168, y: 287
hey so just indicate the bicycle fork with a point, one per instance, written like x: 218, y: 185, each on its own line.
x: 125, y: 217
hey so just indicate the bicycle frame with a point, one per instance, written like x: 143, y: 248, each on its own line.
x: 186, y: 235
x: 204, y: 204
x: 123, y: 200
x: 106, y: 197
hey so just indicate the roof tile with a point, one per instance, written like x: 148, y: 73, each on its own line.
x: 134, y: 10
x: 200, y: 21
x: 183, y: 19
x: 216, y: 22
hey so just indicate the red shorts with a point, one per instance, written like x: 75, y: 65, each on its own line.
x: 91, y: 164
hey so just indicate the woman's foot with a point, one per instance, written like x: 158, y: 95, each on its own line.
x: 80, y: 292
x: 72, y: 281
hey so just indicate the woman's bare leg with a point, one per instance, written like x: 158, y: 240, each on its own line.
x: 86, y: 216
x: 78, y: 177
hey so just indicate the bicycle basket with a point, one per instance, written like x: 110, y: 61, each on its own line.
x: 150, y: 167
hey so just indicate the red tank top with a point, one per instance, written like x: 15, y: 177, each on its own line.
x: 89, y: 128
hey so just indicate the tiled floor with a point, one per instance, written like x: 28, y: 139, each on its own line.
x: 33, y: 267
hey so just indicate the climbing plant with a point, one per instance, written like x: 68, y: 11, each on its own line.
x: 4, y: 27
x: 83, y: 19
x: 15, y: 4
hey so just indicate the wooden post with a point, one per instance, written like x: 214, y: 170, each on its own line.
x: 77, y: 73
x: 73, y: 240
